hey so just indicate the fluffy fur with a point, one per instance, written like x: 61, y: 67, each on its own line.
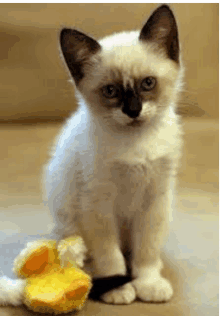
x: 111, y: 178
x: 11, y: 291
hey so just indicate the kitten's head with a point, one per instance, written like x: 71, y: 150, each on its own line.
x: 129, y: 77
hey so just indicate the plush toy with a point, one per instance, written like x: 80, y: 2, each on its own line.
x: 53, y: 286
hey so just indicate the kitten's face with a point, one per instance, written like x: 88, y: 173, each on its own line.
x: 131, y: 77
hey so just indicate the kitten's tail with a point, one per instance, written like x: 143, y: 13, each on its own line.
x: 11, y: 291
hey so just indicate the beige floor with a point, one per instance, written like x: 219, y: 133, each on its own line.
x: 191, y: 253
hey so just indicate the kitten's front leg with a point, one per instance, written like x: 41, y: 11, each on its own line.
x: 150, y: 229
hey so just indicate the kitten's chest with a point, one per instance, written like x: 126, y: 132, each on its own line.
x: 136, y: 160
x: 131, y: 170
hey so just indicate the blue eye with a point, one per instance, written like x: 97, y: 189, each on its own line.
x: 148, y: 83
x: 110, y: 91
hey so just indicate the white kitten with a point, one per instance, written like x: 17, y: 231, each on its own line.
x: 111, y: 177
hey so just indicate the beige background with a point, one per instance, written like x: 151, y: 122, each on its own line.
x: 33, y: 82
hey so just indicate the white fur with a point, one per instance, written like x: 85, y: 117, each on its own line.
x: 75, y: 251
x: 11, y: 291
x: 123, y: 295
x: 126, y: 52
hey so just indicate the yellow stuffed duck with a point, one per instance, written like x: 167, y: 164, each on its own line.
x: 52, y: 286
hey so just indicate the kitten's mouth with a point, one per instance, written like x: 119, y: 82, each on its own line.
x: 135, y: 122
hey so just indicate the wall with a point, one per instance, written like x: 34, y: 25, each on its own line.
x: 33, y: 82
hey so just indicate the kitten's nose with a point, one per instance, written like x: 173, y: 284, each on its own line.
x: 132, y: 107
x: 132, y: 104
x: 130, y: 113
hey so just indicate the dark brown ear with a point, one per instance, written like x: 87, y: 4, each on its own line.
x: 77, y: 49
x: 161, y: 28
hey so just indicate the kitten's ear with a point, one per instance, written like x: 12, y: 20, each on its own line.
x: 161, y: 28
x: 77, y: 49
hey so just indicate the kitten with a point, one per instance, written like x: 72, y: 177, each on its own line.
x: 112, y: 175
x: 111, y: 179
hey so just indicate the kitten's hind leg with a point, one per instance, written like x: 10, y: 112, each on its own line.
x: 72, y: 248
x: 101, y: 235
x: 71, y: 245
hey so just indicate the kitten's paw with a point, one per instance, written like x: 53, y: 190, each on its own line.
x: 123, y: 295
x: 159, y: 290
